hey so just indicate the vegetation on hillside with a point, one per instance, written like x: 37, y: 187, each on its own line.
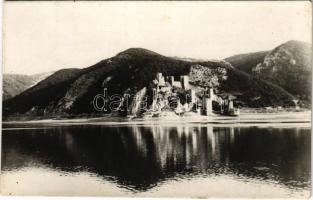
x: 246, y: 62
x: 289, y: 66
x: 14, y: 84
x: 71, y: 91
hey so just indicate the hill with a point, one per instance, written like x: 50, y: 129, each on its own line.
x: 71, y: 91
x: 246, y: 62
x: 14, y: 84
x: 289, y: 66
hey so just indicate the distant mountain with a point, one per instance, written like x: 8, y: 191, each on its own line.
x: 246, y: 62
x: 190, y: 59
x: 288, y: 66
x: 14, y: 84
x: 71, y: 91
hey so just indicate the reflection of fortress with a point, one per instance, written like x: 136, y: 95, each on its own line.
x: 187, y: 145
x: 168, y: 93
x: 139, y: 157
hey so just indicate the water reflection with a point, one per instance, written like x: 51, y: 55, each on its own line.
x: 140, y: 157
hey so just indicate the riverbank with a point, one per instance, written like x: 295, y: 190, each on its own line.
x: 246, y: 118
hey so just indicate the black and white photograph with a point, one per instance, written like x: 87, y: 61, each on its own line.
x: 166, y: 99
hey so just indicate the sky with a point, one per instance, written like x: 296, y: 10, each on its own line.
x: 46, y: 36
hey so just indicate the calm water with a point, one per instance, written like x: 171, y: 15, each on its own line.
x: 189, y: 160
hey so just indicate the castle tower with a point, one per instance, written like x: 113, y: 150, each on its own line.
x: 184, y: 82
x: 230, y: 105
x: 170, y: 80
x: 193, y: 96
x: 207, y: 105
x: 160, y: 79
x: 153, y: 106
x: 159, y: 76
x: 211, y: 93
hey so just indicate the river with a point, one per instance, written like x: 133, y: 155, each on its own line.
x: 189, y: 160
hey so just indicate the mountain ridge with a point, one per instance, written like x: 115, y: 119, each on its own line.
x: 130, y: 71
x: 287, y: 65
x: 14, y: 84
x: 247, y: 61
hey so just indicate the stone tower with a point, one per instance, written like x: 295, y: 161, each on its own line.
x: 184, y: 82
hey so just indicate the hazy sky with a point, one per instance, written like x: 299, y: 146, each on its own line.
x: 46, y: 36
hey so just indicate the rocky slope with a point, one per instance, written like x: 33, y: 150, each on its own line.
x: 288, y: 66
x: 71, y: 91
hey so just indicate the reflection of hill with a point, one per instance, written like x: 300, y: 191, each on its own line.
x: 140, y: 157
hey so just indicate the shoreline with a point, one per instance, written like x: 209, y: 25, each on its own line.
x: 245, y: 118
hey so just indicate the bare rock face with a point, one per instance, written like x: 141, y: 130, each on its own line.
x: 288, y: 66
x: 207, y: 77
x: 134, y: 108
